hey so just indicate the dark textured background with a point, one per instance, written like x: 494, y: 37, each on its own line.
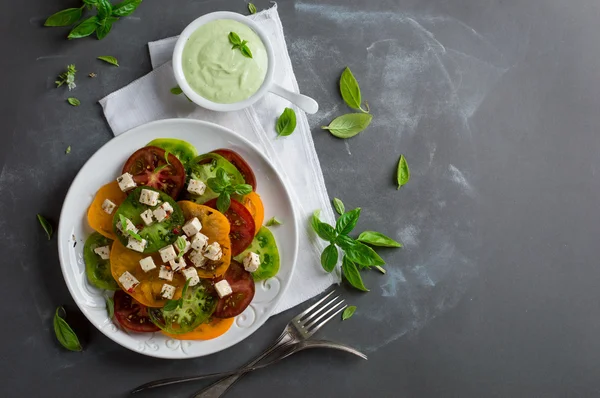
x: 495, y: 105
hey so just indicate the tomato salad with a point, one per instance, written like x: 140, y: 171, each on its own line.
x: 179, y: 238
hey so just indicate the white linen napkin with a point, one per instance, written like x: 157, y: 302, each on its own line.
x: 149, y: 98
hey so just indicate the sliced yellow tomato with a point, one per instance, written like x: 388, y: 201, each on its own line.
x: 98, y: 219
x: 255, y: 206
x: 216, y: 227
x: 206, y: 331
x: 148, y: 291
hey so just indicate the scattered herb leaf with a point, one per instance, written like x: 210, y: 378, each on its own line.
x: 109, y: 59
x: 273, y: 221
x: 349, y: 125
x: 347, y: 221
x: 348, y: 312
x: 171, y: 305
x: 64, y: 334
x: 67, y: 77
x: 403, y: 173
x: 176, y: 90
x: 181, y: 243
x: 45, y: 225
x: 352, y: 275
x: 237, y: 42
x: 339, y: 206
x: 377, y: 239
x: 350, y: 91
x: 110, y: 307
x: 252, y: 8
x: 329, y: 257
x: 286, y: 123
x: 65, y: 17
x: 68, y: 150
x: 73, y: 101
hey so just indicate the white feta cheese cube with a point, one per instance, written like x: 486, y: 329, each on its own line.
x: 196, y: 187
x: 103, y: 252
x: 167, y: 207
x: 136, y: 245
x: 159, y: 213
x: 126, y: 182
x: 149, y: 197
x: 177, y: 264
x: 108, y: 206
x: 147, y: 264
x: 192, y: 227
x: 251, y: 262
x: 192, y: 275
x: 223, y: 288
x: 213, y: 251
x: 197, y: 258
x: 187, y: 246
x: 147, y: 217
x: 167, y: 253
x: 199, y: 241
x: 167, y: 291
x: 165, y: 273
x: 128, y: 281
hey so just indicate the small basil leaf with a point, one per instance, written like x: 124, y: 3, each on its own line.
x: 347, y: 221
x: 73, y: 101
x: 243, y: 189
x: 84, y: 29
x: 176, y: 90
x: 246, y: 51
x: 64, y: 18
x: 223, y: 202
x: 125, y: 8
x: 110, y: 307
x: 215, y: 185
x: 273, y: 222
x: 222, y: 176
x: 111, y: 60
x: 329, y: 257
x: 185, y: 288
x: 234, y: 39
x: 123, y: 222
x: 104, y: 8
x: 350, y: 90
x: 348, y: 312
x: 252, y: 8
x: 403, y: 173
x: 134, y: 235
x: 324, y: 230
x: 45, y: 225
x: 339, y: 206
x: 64, y: 334
x: 286, y: 123
x: 349, y: 125
x: 171, y: 305
x: 358, y: 252
x: 352, y: 275
x: 377, y: 239
x: 68, y: 150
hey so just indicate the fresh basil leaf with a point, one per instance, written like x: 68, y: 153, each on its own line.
x: 45, y: 225
x: 123, y: 221
x: 125, y: 8
x: 403, y: 173
x: 109, y: 59
x: 68, y: 150
x: 110, y: 307
x: 349, y: 125
x: 134, y: 235
x: 348, y: 312
x: 104, y: 8
x: 273, y: 222
x: 103, y: 29
x: 377, y: 239
x: 286, y: 123
x: 347, y: 221
x: 324, y: 230
x: 73, y: 101
x: 246, y: 51
x: 65, y: 17
x: 350, y: 90
x: 234, y: 39
x: 171, y: 305
x: 339, y: 206
x: 185, y: 288
x: 358, y: 252
x: 84, y: 29
x: 329, y: 257
x: 176, y: 90
x: 215, y: 185
x: 223, y: 202
x: 222, y: 176
x: 352, y: 275
x: 64, y: 334
x: 181, y: 243
x: 243, y: 189
x: 252, y: 8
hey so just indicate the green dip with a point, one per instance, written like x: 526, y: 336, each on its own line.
x: 216, y: 71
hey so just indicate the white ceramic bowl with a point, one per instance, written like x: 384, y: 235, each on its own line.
x: 305, y: 103
x: 104, y: 166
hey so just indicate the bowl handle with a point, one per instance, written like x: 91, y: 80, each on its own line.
x: 303, y: 102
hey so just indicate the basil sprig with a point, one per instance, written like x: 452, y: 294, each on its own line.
x: 357, y: 255
x: 221, y: 184
x: 64, y: 334
x: 67, y: 78
x: 237, y: 42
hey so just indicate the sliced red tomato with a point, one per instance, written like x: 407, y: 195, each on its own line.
x: 131, y: 314
x: 244, y: 168
x: 242, y: 286
x: 242, y: 225
x: 149, y: 167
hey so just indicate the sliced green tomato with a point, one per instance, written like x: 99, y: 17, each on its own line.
x: 184, y: 151
x: 197, y: 307
x: 98, y: 270
x: 265, y: 246
x: 204, y: 167
x: 158, y: 234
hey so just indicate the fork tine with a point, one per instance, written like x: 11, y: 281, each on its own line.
x: 309, y: 309
x: 320, y: 325
x: 313, y: 323
x: 323, y: 308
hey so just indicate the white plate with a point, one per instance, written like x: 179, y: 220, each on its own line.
x: 105, y: 166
